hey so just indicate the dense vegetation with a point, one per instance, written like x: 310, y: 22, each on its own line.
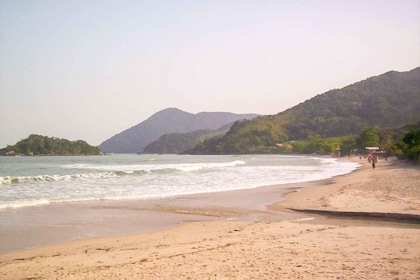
x: 409, y: 147
x: 43, y: 145
x: 403, y: 142
x: 390, y: 140
x: 329, y: 123
x: 249, y: 136
x: 178, y: 143
x: 389, y: 100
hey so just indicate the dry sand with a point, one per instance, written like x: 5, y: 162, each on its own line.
x: 308, y: 247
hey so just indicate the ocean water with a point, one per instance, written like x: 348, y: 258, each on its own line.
x: 30, y: 181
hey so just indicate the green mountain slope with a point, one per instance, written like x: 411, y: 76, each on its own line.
x: 388, y: 100
x: 391, y: 99
x: 178, y: 143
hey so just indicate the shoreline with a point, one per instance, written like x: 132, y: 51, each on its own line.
x: 44, y: 225
x: 160, y: 189
x: 54, y: 223
x: 277, y: 240
x: 361, y: 189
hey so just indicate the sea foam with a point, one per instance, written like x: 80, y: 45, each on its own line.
x: 70, y: 179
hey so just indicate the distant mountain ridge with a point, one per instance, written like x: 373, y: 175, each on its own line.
x: 167, y: 121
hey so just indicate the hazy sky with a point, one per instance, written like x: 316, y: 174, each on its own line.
x: 90, y: 69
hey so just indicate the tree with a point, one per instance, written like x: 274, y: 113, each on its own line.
x: 411, y: 149
x: 368, y: 138
x: 348, y: 146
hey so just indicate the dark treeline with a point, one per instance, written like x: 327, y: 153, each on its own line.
x: 43, y: 145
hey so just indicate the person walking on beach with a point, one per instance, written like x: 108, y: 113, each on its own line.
x: 374, y: 160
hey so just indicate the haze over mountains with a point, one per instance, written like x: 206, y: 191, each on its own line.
x: 170, y: 120
x: 388, y: 100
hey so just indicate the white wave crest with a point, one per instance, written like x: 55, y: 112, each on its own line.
x: 53, y: 178
x: 154, y: 167
x: 20, y: 204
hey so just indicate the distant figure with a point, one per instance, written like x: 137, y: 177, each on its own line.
x: 374, y: 161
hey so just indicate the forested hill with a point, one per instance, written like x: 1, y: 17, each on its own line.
x: 178, y: 143
x: 388, y: 100
x: 170, y: 120
x: 44, y: 145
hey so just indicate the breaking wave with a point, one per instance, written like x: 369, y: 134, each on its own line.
x: 132, y: 177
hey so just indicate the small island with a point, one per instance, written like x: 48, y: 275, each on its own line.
x: 38, y: 145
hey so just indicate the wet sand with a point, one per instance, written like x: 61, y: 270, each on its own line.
x: 240, y: 238
x: 32, y: 227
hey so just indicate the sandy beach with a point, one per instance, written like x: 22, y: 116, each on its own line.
x: 322, y: 230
